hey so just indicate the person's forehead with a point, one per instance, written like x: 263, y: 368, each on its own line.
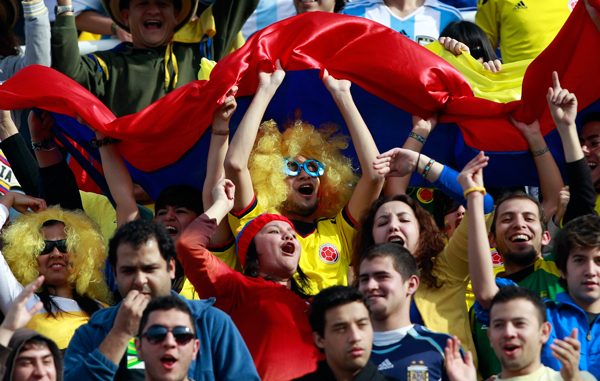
x: 518, y: 206
x: 590, y: 129
x: 346, y: 313
x: 520, y: 308
x: 56, y: 231
x: 394, y: 207
x: 34, y: 350
x: 590, y: 252
x: 377, y: 264
x: 276, y: 223
x: 146, y: 253
x: 169, y: 318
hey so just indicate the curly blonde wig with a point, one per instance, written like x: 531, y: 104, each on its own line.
x: 23, y: 242
x: 266, y: 164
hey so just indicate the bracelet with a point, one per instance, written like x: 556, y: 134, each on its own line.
x: 475, y: 189
x: 113, y: 28
x: 95, y: 143
x: 220, y: 132
x: 427, y: 168
x: 541, y: 152
x: 44, y: 145
x: 417, y: 137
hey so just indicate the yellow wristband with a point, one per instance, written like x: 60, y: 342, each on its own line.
x: 475, y: 189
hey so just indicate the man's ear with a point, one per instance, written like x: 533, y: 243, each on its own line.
x: 546, y: 238
x: 171, y: 268
x: 492, y: 239
x: 546, y: 330
x: 196, y: 348
x: 319, y: 341
x: 413, y: 284
x: 138, y: 347
x: 125, y: 16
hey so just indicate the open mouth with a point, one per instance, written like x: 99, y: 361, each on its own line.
x: 592, y: 165
x: 510, y: 349
x: 397, y: 240
x: 168, y: 361
x: 172, y: 231
x: 520, y: 238
x: 288, y: 248
x: 306, y: 190
x: 153, y: 24
x: 57, y: 266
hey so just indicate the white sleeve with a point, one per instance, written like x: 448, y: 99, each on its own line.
x: 10, y: 288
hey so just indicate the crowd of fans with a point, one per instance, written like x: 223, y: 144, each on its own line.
x: 289, y: 264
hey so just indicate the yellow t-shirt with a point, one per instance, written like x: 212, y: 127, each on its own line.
x: 524, y: 27
x: 326, y: 250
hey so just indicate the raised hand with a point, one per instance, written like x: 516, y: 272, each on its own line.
x: 456, y: 368
x: 226, y: 110
x: 224, y: 191
x: 335, y: 86
x: 563, y: 200
x: 18, y: 316
x: 396, y: 162
x: 562, y: 105
x: 471, y: 175
x: 130, y: 312
x: 271, y: 81
x: 454, y: 46
x: 40, y: 129
x: 567, y: 351
x: 527, y: 131
x: 22, y: 203
x: 494, y: 66
x: 424, y: 126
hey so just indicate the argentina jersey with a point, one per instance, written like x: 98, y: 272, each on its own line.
x: 417, y: 354
x: 266, y: 13
x: 423, y: 25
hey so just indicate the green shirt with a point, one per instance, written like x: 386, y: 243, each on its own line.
x: 128, y: 79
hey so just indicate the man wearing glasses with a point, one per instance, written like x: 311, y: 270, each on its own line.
x: 167, y: 340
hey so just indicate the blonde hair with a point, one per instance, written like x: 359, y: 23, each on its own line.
x: 23, y: 242
x: 266, y: 164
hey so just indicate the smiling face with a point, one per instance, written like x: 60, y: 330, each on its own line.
x: 590, y: 143
x: 517, y: 336
x: 395, y: 222
x: 519, y: 236
x: 583, y: 278
x: 175, y: 219
x: 303, y: 199
x: 303, y: 6
x: 167, y: 360
x: 34, y: 362
x: 54, y: 266
x: 278, y: 250
x: 347, y: 338
x: 388, y: 294
x: 151, y: 22
x: 143, y: 269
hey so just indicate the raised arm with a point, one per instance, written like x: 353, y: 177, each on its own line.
x: 236, y: 160
x: 219, y: 142
x: 481, y: 267
x: 550, y: 178
x: 93, y: 22
x: 369, y: 186
x: 415, y: 142
x: 18, y: 316
x: 563, y: 106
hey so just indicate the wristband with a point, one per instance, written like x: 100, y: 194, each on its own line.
x: 44, y: 145
x: 427, y: 168
x: 220, y: 132
x: 475, y: 189
x: 417, y: 137
x: 95, y: 143
x: 113, y: 28
x: 540, y: 152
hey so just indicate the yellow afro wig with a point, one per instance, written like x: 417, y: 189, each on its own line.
x: 266, y: 164
x: 23, y: 242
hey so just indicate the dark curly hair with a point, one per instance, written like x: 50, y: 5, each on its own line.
x: 431, y: 239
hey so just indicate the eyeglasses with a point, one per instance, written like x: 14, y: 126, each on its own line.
x: 312, y: 167
x: 157, y: 334
x: 61, y: 245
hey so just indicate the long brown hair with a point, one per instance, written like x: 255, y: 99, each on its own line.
x: 431, y: 241
x: 9, y: 46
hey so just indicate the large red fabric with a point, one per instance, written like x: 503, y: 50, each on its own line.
x: 372, y: 56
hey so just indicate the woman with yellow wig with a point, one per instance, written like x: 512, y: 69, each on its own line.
x: 68, y: 249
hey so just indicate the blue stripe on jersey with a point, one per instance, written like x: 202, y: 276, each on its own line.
x: 384, y: 351
x: 417, y: 336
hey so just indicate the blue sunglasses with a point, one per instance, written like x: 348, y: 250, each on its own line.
x: 312, y: 167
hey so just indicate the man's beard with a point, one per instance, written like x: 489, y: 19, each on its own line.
x: 521, y: 259
x: 300, y: 210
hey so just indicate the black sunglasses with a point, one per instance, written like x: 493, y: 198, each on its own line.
x: 61, y: 245
x: 157, y: 334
